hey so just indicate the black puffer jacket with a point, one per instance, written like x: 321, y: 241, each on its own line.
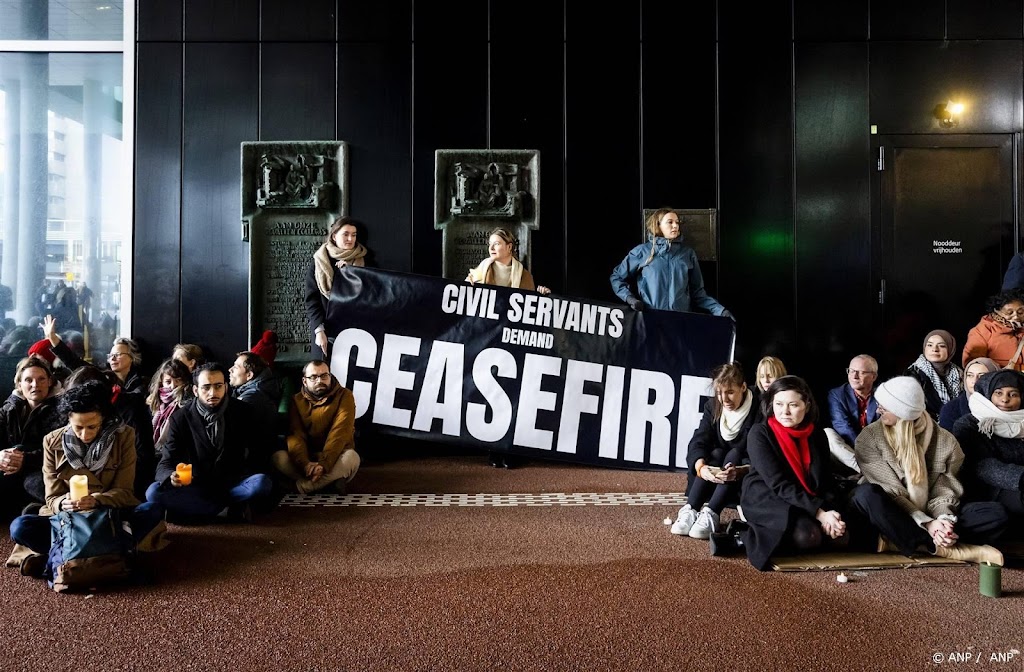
x: 20, y: 426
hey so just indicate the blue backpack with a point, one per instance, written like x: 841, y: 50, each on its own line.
x: 88, y: 549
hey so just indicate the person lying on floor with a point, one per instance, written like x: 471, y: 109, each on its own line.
x: 909, y: 488
x: 222, y: 439
x: 321, y: 439
x: 717, y: 454
x: 789, y: 498
x: 96, y: 444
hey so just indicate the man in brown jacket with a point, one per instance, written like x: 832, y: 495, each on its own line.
x: 321, y: 437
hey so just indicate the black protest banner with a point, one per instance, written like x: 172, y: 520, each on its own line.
x: 511, y: 370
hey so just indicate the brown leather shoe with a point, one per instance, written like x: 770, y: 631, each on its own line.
x: 33, y: 565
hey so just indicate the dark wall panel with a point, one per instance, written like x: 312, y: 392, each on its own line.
x: 449, y: 112
x: 908, y: 79
x: 452, y: 22
x: 991, y: 19
x: 221, y: 111
x: 377, y: 21
x: 296, y: 81
x: 535, y: 122
x: 222, y: 20
x: 529, y: 21
x: 830, y: 21
x: 155, y: 313
x: 602, y: 193
x: 159, y: 20
x: 375, y: 121
x: 833, y: 207
x: 908, y: 20
x: 677, y: 24
x: 308, y: 20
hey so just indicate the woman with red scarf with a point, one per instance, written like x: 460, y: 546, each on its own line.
x: 789, y: 498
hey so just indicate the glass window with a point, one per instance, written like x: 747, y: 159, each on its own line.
x: 62, y: 20
x: 62, y: 213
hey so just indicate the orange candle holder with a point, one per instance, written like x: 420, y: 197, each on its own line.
x: 184, y: 472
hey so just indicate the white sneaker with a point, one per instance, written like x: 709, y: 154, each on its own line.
x: 684, y: 521
x: 706, y: 524
x: 739, y: 511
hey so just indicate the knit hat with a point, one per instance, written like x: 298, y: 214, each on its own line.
x: 990, y: 382
x: 266, y: 348
x: 902, y: 396
x: 42, y: 350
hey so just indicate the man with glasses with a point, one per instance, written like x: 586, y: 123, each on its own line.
x: 852, y: 407
x: 226, y: 446
x: 321, y: 439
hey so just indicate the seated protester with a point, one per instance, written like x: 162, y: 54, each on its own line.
x: 124, y: 358
x: 940, y: 376
x: 253, y: 382
x: 716, y: 458
x: 96, y: 444
x: 851, y: 408
x: 769, y: 369
x: 910, y: 491
x: 999, y: 334
x: 42, y: 350
x: 223, y: 441
x: 168, y: 391
x: 133, y: 411
x: 189, y: 354
x: 992, y: 438
x: 321, y: 439
x: 956, y: 408
x: 789, y: 497
x: 29, y: 414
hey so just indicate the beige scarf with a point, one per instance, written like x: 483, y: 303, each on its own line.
x: 324, y: 260
x: 480, y: 273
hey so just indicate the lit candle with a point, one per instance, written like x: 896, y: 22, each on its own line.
x: 184, y: 472
x: 79, y: 487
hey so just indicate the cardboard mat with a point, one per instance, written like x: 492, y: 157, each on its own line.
x: 823, y: 562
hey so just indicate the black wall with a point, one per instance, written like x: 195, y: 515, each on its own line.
x: 760, y: 110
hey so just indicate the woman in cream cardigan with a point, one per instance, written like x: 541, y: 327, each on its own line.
x: 910, y: 490
x: 340, y: 248
x: 501, y: 267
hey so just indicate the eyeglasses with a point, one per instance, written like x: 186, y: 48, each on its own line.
x: 861, y: 374
x: 318, y: 376
x: 115, y: 355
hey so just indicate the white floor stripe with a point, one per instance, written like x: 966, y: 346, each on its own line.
x: 518, y: 499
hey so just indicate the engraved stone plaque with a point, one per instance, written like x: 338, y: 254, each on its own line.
x: 476, y: 190
x: 291, y: 192
x: 699, y: 230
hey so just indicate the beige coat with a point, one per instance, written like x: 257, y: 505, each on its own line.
x: 112, y: 487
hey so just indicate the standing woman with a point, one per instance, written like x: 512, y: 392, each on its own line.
x: 501, y: 267
x: 716, y: 458
x: 910, y: 491
x: 789, y: 498
x: 340, y: 248
x: 941, y: 378
x: 665, y: 271
x: 96, y: 444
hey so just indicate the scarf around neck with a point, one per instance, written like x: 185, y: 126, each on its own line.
x: 482, y: 273
x: 731, y: 422
x: 1006, y: 424
x: 795, y: 449
x: 326, y: 258
x: 213, y: 421
x: 947, y: 384
x: 170, y: 399
x: 92, y: 456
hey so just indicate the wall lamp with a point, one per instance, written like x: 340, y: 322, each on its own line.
x: 948, y: 113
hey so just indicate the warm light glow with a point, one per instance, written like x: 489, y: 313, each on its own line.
x: 954, y: 108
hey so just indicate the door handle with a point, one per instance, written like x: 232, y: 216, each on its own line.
x: 881, y: 293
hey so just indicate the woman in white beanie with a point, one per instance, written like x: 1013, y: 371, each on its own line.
x: 909, y: 487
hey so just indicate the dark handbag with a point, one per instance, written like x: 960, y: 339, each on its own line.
x: 88, y: 549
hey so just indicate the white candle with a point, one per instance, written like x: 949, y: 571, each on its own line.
x: 79, y: 487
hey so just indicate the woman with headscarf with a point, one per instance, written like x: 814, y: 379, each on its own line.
x: 789, y: 498
x: 956, y: 408
x: 941, y: 378
x: 1000, y: 333
x: 992, y: 437
x: 910, y: 491
x: 340, y: 248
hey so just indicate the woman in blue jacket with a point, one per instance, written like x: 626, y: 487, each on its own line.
x: 665, y: 271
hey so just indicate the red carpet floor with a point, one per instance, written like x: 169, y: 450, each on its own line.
x: 499, y: 588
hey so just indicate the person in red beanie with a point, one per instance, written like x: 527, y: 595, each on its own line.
x: 266, y: 347
x: 42, y: 349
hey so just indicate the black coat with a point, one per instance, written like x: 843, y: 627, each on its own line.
x: 21, y: 427
x: 933, y: 402
x: 992, y: 464
x: 771, y: 491
x: 245, y: 451
x: 707, y: 443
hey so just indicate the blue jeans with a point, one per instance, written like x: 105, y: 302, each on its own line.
x: 34, y: 531
x: 191, y: 501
